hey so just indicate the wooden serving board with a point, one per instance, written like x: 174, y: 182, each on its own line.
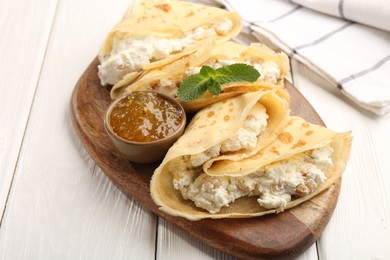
x: 282, y: 235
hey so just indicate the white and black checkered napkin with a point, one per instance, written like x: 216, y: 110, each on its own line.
x: 353, y: 56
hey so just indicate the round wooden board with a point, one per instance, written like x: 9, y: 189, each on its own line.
x: 280, y: 235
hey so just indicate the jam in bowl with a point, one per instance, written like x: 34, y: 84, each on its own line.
x: 144, y: 124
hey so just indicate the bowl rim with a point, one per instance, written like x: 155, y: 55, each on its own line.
x: 172, y: 100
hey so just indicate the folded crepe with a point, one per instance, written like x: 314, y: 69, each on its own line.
x: 153, y: 33
x: 273, y: 68
x: 304, y: 160
x: 234, y: 128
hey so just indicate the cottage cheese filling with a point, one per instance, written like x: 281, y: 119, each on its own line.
x: 274, y: 185
x: 246, y: 137
x: 130, y: 54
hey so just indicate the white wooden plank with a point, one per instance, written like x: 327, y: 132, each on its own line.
x: 361, y: 220
x: 60, y: 206
x: 24, y: 29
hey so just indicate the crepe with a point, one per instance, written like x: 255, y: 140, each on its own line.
x: 273, y: 68
x: 318, y: 154
x: 261, y: 115
x: 154, y: 33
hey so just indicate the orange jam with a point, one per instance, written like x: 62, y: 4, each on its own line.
x: 144, y: 117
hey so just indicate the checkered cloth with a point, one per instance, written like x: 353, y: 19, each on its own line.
x: 345, y: 41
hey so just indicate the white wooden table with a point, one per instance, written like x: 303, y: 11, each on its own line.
x: 56, y: 204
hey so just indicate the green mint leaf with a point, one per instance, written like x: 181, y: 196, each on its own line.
x: 214, y: 87
x: 207, y: 71
x: 236, y: 72
x: 193, y: 87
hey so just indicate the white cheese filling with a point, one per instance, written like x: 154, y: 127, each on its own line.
x: 274, y: 185
x: 130, y: 54
x: 246, y: 137
x: 269, y: 71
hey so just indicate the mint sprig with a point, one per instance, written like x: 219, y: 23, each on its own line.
x: 212, y: 79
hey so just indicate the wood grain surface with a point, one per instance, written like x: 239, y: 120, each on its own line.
x: 280, y: 235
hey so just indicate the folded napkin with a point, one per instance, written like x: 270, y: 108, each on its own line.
x: 374, y: 13
x: 353, y: 56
